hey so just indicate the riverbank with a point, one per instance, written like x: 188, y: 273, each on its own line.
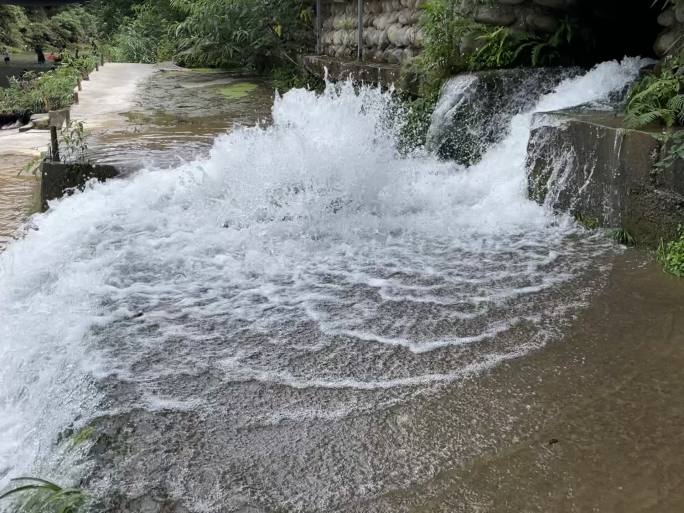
x: 109, y: 92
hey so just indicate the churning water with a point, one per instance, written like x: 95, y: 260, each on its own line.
x: 304, y: 272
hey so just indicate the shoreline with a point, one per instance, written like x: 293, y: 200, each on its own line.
x: 109, y: 92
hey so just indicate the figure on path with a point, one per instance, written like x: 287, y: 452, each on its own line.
x: 40, y: 55
x: 7, y: 56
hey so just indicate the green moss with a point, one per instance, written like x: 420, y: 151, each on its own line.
x: 239, y: 90
x: 83, y: 436
x: 590, y: 223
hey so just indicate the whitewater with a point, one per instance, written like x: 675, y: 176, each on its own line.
x: 306, y: 270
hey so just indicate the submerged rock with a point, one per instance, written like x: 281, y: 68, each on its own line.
x: 475, y: 109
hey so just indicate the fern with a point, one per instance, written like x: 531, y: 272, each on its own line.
x: 657, y: 98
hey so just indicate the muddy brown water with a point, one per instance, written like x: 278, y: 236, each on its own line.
x: 177, y: 116
x: 593, y: 421
x: 19, y: 196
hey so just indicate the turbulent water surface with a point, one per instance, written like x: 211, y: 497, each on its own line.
x: 254, y: 329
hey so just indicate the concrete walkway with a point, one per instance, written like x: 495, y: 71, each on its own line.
x: 109, y: 92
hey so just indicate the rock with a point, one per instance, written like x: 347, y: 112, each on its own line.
x: 475, y: 109
x: 667, y: 18
x: 492, y: 15
x: 58, y: 178
x: 666, y: 41
x: 41, y: 121
x: 27, y: 127
x: 555, y: 4
x: 586, y: 163
x: 679, y: 12
x: 397, y: 35
x: 468, y: 44
x: 541, y: 22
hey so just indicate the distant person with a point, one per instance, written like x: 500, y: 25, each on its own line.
x: 7, y: 56
x: 40, y: 55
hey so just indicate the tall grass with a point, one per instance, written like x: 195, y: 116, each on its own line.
x: 36, y: 495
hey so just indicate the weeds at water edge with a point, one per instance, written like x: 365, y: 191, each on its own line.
x: 622, y: 236
x: 38, y: 495
x: 671, y: 255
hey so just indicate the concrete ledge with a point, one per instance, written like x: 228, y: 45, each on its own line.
x: 58, y: 179
x: 366, y: 72
x: 590, y: 165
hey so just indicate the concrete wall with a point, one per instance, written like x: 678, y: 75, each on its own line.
x: 606, y: 175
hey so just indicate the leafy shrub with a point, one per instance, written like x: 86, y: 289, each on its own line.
x: 657, y: 97
x: 504, y: 48
x: 444, y: 27
x: 671, y: 255
x: 42, y: 92
x: 71, y: 25
x: 253, y: 34
x: 146, y: 35
x: 12, y: 19
x: 286, y: 78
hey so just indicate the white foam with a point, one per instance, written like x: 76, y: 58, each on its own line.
x: 273, y: 247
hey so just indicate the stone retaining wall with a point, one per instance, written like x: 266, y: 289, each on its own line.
x: 392, y: 32
x: 671, y: 39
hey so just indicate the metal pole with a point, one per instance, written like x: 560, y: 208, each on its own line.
x: 359, y: 54
x: 54, y: 144
x: 318, y: 26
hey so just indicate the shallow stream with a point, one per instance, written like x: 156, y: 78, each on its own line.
x: 303, y: 319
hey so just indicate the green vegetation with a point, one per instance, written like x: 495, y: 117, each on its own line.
x: 23, y: 28
x: 658, y: 98
x: 74, y: 146
x: 255, y: 34
x: 37, y: 495
x: 84, y: 436
x: 671, y: 255
x: 622, y: 236
x: 501, y: 47
x: 590, y: 223
x: 239, y: 90
x: 444, y: 30
x: 146, y: 35
x: 42, y: 92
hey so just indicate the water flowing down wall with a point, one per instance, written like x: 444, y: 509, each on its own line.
x: 586, y: 163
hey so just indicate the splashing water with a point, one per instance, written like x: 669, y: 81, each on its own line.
x: 308, y: 256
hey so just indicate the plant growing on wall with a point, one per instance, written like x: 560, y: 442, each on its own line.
x: 657, y: 97
x: 501, y: 47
